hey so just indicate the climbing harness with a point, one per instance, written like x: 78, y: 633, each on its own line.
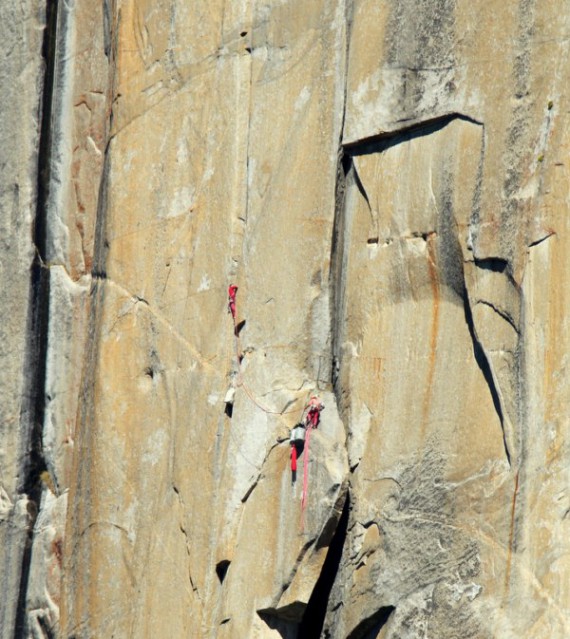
x: 296, y: 440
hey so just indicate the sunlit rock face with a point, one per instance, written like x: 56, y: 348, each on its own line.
x: 387, y: 186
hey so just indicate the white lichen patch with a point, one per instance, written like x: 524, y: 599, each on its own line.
x: 302, y: 99
x: 156, y: 445
x: 182, y: 201
x: 204, y: 284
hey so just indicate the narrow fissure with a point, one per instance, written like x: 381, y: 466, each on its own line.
x: 338, y: 268
x: 338, y: 258
x: 49, y: 46
x: 485, y: 367
x: 32, y: 415
x: 314, y: 616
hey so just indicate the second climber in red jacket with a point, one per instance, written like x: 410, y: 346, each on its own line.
x: 232, y: 291
x: 313, y: 416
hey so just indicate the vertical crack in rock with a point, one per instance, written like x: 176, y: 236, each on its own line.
x: 33, y: 405
x: 485, y: 367
x: 49, y: 47
x: 339, y: 255
x: 101, y: 242
x: 314, y: 617
x: 337, y: 282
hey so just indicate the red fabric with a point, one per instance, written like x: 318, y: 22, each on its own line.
x: 313, y: 416
x: 315, y: 407
x: 232, y: 291
x: 293, y: 458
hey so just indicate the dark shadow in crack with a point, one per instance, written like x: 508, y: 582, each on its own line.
x: 384, y: 141
x: 314, y: 617
x: 370, y: 627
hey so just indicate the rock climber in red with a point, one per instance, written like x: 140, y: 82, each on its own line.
x: 296, y: 440
x: 232, y: 291
x: 315, y: 406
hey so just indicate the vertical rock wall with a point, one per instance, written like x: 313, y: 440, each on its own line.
x: 21, y: 78
x: 387, y: 184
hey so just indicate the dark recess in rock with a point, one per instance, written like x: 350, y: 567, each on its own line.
x: 287, y: 628
x: 32, y: 415
x: 370, y: 627
x: 495, y: 264
x: 48, y: 630
x: 313, y: 620
x: 384, y: 141
x: 222, y: 569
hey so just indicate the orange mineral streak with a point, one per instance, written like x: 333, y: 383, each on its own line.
x: 511, y: 534
x: 433, y: 333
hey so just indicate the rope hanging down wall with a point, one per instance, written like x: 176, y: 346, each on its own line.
x: 310, y: 414
x: 240, y: 382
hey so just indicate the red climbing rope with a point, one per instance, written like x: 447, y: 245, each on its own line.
x: 315, y: 406
x: 232, y: 309
x: 251, y: 396
x: 306, y: 470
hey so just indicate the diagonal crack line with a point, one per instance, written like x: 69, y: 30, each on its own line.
x: 162, y: 319
x: 542, y: 239
x: 261, y: 473
x: 506, y: 316
x: 485, y: 367
x: 182, y: 528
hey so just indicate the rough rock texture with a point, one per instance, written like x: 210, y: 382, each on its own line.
x: 388, y: 185
x: 22, y: 80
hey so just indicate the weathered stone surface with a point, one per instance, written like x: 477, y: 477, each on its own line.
x: 443, y: 220
x: 21, y: 81
x: 387, y: 184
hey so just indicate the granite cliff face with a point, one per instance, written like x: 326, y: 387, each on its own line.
x: 388, y: 185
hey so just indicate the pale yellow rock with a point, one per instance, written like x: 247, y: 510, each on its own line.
x: 491, y: 190
x: 21, y: 79
x: 387, y: 185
